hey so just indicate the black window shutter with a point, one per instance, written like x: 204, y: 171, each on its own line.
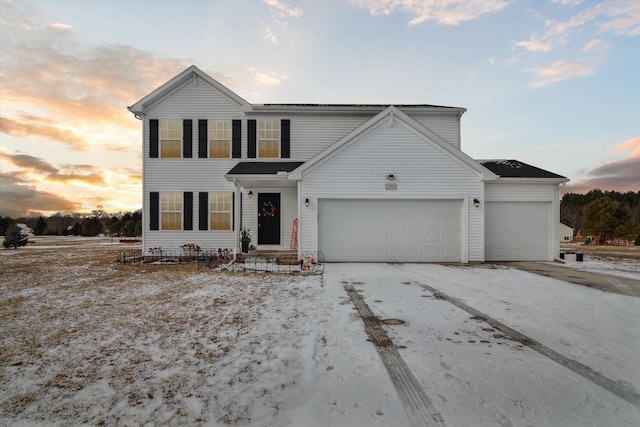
x: 154, y: 211
x: 154, y: 134
x: 187, y: 139
x: 236, y: 141
x: 251, y: 139
x: 233, y: 208
x: 203, y: 209
x: 285, y: 139
x: 202, y: 139
x: 187, y: 218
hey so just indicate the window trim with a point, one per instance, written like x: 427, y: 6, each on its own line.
x: 210, y: 140
x: 230, y: 194
x: 277, y: 123
x: 180, y: 198
x: 179, y: 139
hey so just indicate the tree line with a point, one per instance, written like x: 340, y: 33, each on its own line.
x: 610, y: 215
x: 127, y: 224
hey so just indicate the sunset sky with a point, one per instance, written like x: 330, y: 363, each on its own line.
x: 552, y: 83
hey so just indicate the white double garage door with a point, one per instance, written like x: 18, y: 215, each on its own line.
x: 429, y: 230
x: 390, y: 230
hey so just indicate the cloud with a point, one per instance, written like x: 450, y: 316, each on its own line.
x: 561, y: 70
x: 51, y: 173
x: 18, y: 200
x: 597, y: 47
x: 620, y: 175
x: 444, y: 12
x: 618, y: 17
x: 52, y: 83
x: 29, y: 125
x: 30, y: 163
x: 283, y: 10
x: 269, y: 36
x: 569, y: 3
x: 630, y: 144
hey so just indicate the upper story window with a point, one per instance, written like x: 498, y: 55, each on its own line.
x: 171, y: 211
x: 269, y: 138
x: 170, y: 138
x: 220, y: 211
x: 219, y: 139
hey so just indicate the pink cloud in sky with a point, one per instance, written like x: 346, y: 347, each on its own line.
x: 620, y: 175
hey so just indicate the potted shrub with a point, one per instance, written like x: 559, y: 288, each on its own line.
x: 245, y: 239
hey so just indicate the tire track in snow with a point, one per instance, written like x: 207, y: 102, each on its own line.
x: 418, y: 406
x: 620, y: 389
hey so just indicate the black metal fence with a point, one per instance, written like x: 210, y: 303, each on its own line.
x: 220, y: 259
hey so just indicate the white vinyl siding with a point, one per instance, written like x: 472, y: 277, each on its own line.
x: 422, y: 171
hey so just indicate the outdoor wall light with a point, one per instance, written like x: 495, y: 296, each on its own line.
x: 476, y: 203
x: 306, y: 202
x: 391, y: 177
x: 250, y: 194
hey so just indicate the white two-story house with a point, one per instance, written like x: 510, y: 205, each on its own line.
x: 360, y: 182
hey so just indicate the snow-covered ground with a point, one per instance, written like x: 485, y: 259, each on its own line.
x: 84, y: 340
x: 622, y: 261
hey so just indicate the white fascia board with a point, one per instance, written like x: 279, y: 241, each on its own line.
x: 554, y: 181
x: 140, y: 107
x: 349, y: 109
x: 258, y: 177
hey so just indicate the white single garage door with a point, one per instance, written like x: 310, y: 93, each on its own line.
x: 390, y: 230
x: 517, y: 231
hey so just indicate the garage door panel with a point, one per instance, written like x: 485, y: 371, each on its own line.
x: 517, y: 231
x: 390, y: 230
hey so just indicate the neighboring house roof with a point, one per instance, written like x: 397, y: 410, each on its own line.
x: 263, y: 168
x: 393, y: 114
x: 185, y: 76
x: 516, y: 169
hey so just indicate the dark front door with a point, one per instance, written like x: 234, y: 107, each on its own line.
x: 269, y: 218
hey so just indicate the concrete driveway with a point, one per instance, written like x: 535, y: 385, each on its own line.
x: 604, y: 282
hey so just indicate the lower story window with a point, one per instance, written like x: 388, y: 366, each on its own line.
x: 171, y: 211
x: 220, y: 211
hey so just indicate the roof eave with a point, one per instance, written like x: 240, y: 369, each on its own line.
x: 524, y: 180
x: 350, y: 109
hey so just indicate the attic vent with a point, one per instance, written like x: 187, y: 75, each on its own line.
x: 391, y: 119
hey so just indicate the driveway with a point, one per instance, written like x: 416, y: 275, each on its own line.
x: 604, y: 282
x: 493, y: 346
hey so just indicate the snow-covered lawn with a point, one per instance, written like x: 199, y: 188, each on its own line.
x: 84, y: 340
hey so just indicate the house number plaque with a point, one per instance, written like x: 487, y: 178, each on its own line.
x: 391, y: 186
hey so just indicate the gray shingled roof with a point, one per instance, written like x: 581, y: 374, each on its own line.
x: 263, y: 168
x: 516, y: 169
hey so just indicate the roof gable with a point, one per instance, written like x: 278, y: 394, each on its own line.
x: 175, y: 83
x: 393, y: 115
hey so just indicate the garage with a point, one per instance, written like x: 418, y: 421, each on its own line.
x: 518, y: 231
x: 375, y: 230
